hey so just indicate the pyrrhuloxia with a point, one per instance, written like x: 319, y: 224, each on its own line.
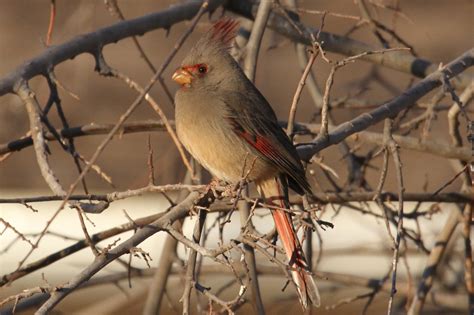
x: 229, y: 127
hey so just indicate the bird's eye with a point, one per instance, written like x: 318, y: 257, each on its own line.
x: 202, y: 69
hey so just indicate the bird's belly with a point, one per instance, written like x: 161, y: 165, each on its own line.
x: 222, y: 152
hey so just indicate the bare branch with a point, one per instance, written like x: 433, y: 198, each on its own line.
x: 255, y: 40
x: 405, y: 142
x: 36, y: 129
x: 132, y: 84
x: 94, y: 41
x: 64, y: 252
x: 299, y: 89
x: 390, y: 108
x: 164, y: 19
x: 433, y: 262
x: 177, y: 212
x: 190, y: 276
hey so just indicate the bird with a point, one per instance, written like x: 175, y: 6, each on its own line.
x: 229, y: 127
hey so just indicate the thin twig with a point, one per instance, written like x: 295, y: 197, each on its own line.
x: 121, y: 120
x: 190, y: 276
x: 405, y: 142
x: 52, y: 19
x: 177, y: 212
x: 134, y: 85
x: 32, y: 107
x: 299, y: 89
x: 390, y: 108
x: 393, y: 147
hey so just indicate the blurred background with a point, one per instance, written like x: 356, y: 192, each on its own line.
x: 439, y: 30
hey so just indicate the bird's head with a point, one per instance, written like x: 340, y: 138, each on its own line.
x: 209, y: 64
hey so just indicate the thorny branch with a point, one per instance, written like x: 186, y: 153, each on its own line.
x: 390, y: 108
x: 166, y: 18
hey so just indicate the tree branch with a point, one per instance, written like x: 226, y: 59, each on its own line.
x: 177, y: 212
x: 433, y: 262
x: 95, y: 41
x: 32, y: 107
x: 405, y: 142
x: 389, y: 109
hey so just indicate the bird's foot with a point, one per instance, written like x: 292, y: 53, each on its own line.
x: 215, y: 187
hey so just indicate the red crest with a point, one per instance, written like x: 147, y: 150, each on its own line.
x: 224, y: 31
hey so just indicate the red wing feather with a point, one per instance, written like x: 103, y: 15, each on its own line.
x: 258, y: 126
x: 260, y: 143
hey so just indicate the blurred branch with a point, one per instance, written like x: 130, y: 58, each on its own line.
x: 400, y: 61
x: 433, y: 262
x: 255, y: 40
x: 411, y: 143
x: 454, y: 301
x: 249, y: 255
x: 95, y: 41
x: 52, y: 19
x: 454, y: 125
x: 468, y: 264
x: 251, y: 51
x: 405, y: 142
x: 392, y: 146
x: 69, y: 250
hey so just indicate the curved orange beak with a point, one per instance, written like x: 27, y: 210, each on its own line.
x: 182, y: 77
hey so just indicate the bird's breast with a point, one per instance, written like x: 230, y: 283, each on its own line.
x: 208, y: 136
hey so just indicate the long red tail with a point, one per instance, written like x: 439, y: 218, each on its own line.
x: 273, y: 193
